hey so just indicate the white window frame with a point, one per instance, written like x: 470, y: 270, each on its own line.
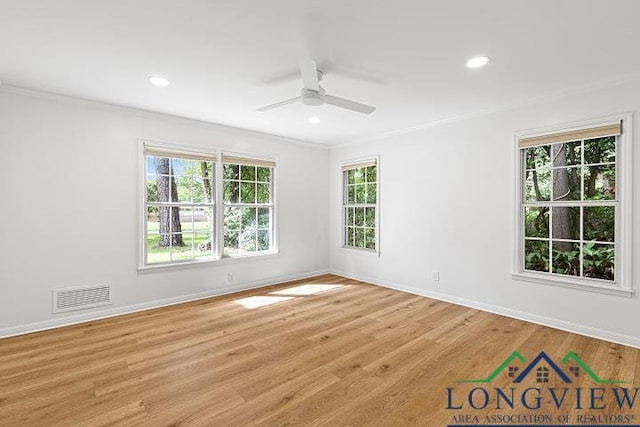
x: 343, y: 205
x: 218, y: 207
x: 271, y: 205
x: 622, y: 284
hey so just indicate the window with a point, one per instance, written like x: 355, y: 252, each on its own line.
x: 182, y: 191
x: 360, y: 205
x: 571, y: 207
x: 542, y: 375
x: 179, y: 205
x: 248, y: 206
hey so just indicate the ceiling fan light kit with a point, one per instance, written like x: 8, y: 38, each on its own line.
x: 313, y: 94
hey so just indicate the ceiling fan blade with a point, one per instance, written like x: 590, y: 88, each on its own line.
x: 349, y: 105
x: 309, y: 71
x: 279, y: 104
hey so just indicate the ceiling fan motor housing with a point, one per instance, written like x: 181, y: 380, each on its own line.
x: 312, y: 97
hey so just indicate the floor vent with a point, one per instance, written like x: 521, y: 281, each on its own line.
x: 80, y: 297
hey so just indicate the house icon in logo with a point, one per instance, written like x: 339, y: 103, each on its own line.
x: 542, y: 372
x: 543, y: 366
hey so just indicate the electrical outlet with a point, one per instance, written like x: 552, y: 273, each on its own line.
x: 231, y: 277
x: 436, y: 276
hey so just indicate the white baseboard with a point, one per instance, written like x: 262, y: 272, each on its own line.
x: 504, y: 311
x: 117, y: 311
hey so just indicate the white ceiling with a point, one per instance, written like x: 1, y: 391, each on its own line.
x: 406, y: 57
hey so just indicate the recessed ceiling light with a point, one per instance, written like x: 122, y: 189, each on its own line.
x: 158, y: 81
x: 314, y: 120
x: 477, y: 62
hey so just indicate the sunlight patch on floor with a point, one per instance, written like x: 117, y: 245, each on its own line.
x: 261, y: 301
x: 302, y: 290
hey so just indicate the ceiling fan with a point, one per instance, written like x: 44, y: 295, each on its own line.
x: 313, y: 94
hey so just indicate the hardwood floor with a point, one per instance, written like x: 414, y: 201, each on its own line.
x: 353, y: 355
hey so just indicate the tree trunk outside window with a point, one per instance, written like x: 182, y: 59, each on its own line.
x: 561, y: 189
x: 169, y: 216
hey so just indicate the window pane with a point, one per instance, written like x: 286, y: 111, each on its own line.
x: 567, y: 153
x: 351, y: 216
x: 351, y: 176
x: 371, y: 193
x: 202, y: 190
x: 359, y: 176
x: 264, y: 242
x: 349, y: 236
x: 538, y: 184
x: 600, y: 150
x: 264, y: 174
x: 183, y: 188
x: 566, y: 222
x: 600, y: 182
x: 263, y: 193
x: 537, y: 157
x: 599, y: 261
x: 599, y: 223
x: 181, y: 167
x: 160, y: 165
x: 168, y: 219
x: 264, y: 217
x: 205, y: 170
x: 185, y: 250
x: 370, y: 217
x: 198, y: 191
x: 359, y: 217
x: 247, y: 192
x: 186, y: 221
x: 361, y: 190
x: 150, y: 166
x: 232, y: 219
x: 249, y: 218
x: 166, y: 190
x: 230, y: 171
x: 372, y: 174
x: 231, y: 190
x: 566, y: 258
x: 370, y: 238
x: 153, y: 221
x: 536, y: 255
x: 566, y: 184
x: 156, y: 253
x: 359, y: 238
x: 231, y: 245
x: 248, y: 240
x: 536, y: 223
x: 247, y: 173
x: 203, y: 237
x: 152, y: 189
x: 351, y: 197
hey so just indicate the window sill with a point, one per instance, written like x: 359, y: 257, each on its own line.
x: 359, y: 251
x: 572, y: 284
x: 208, y: 261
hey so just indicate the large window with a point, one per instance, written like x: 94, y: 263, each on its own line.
x: 248, y: 206
x: 360, y: 205
x: 183, y: 189
x: 571, y: 213
x: 179, y: 205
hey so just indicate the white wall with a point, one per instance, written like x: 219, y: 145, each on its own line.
x: 447, y: 197
x: 69, y: 211
x: 69, y: 207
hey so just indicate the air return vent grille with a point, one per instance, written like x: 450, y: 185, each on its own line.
x: 80, y: 297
